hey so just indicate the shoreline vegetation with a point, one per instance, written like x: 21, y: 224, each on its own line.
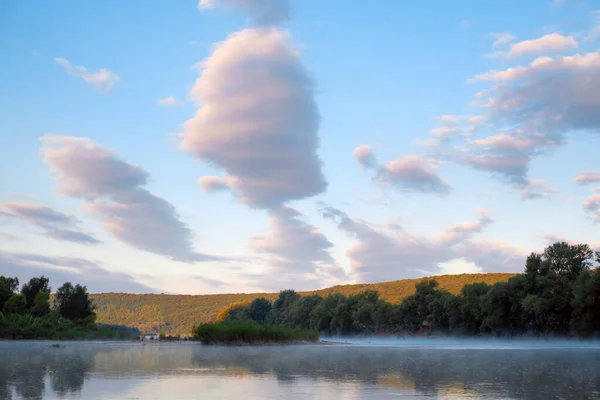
x: 250, y: 332
x: 557, y: 296
x: 29, y: 314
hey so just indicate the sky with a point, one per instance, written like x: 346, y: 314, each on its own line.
x: 213, y: 146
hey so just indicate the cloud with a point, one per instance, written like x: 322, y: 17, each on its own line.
x: 457, y: 233
x: 69, y: 269
x: 529, y: 110
x: 538, y: 189
x: 7, y: 236
x: 364, y: 155
x: 115, y: 193
x: 407, y: 173
x: 588, y: 177
x: 55, y: 224
x: 413, y: 174
x: 103, y: 79
x: 168, y: 101
x: 258, y: 119
x: 261, y: 12
x: 215, y: 283
x: 501, y: 39
x: 293, y: 244
x: 213, y: 184
x: 391, y: 253
x: 552, y: 42
x: 592, y: 205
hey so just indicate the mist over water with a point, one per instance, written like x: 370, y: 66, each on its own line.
x: 368, y: 368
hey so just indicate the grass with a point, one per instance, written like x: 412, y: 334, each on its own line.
x: 249, y: 332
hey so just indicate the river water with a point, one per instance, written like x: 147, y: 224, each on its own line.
x: 366, y: 369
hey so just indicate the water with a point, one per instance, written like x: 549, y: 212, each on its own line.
x: 392, y: 369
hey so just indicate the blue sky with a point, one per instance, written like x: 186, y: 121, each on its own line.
x: 460, y: 169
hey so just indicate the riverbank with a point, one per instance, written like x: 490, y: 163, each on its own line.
x: 54, y: 327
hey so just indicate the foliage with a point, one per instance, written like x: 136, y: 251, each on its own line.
x: 20, y: 320
x: 8, y: 286
x: 17, y: 304
x: 241, y: 332
x: 41, y: 305
x: 53, y: 326
x: 33, y: 287
x: 175, y: 314
x: 557, y: 294
x: 73, y: 302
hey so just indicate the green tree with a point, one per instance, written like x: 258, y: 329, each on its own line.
x: 17, y: 304
x: 416, y: 309
x: 280, y: 313
x: 259, y: 309
x: 73, y: 302
x: 41, y: 305
x: 8, y: 286
x: 33, y: 287
x: 473, y: 308
x: 586, y: 304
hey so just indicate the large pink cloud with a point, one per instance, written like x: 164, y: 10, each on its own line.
x: 258, y: 119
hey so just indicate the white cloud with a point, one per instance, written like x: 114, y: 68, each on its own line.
x: 364, y: 155
x: 55, y: 224
x: 552, y: 42
x: 102, y: 79
x: 588, y: 177
x: 529, y: 110
x: 500, y: 39
x: 391, y: 253
x: 169, y: 101
x: 213, y: 184
x: 592, y: 205
x: 538, y: 189
x: 114, y: 191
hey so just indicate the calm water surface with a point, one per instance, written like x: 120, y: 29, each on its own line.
x: 409, y: 369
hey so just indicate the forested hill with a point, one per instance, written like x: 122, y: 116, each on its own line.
x: 176, y: 314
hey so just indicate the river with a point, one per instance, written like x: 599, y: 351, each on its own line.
x: 364, y: 369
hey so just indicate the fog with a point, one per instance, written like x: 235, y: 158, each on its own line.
x: 369, y: 368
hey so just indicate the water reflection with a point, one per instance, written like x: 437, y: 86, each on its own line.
x: 35, y: 370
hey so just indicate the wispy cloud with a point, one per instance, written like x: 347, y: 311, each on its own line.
x: 102, y: 79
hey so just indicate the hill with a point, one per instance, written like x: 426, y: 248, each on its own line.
x: 176, y: 314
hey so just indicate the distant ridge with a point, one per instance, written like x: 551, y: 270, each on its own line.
x: 177, y: 313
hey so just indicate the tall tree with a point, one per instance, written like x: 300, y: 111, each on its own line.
x: 73, y: 302
x: 33, y: 287
x: 8, y: 286
x: 15, y: 305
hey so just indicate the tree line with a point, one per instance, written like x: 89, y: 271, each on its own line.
x: 557, y: 294
x: 28, y: 313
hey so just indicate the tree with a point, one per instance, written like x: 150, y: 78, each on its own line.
x: 73, y: 302
x: 416, y: 309
x: 8, y: 286
x: 41, y: 305
x: 33, y: 287
x: 258, y: 309
x: 15, y: 305
x: 586, y: 304
x: 280, y: 313
x: 473, y: 307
